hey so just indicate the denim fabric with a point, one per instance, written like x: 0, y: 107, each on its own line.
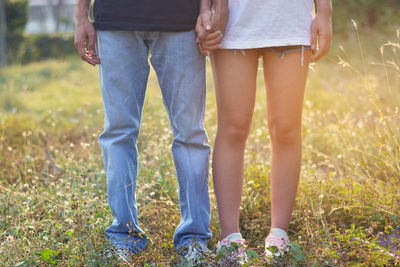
x: 180, y: 71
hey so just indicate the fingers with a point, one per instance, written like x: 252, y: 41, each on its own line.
x: 81, y: 48
x: 212, y: 45
x: 86, y: 34
x: 87, y: 55
x: 94, y: 60
x: 207, y: 22
x: 323, y: 49
x: 314, y: 38
x: 203, y: 26
x: 203, y: 50
x: 90, y: 52
x: 212, y: 42
x: 214, y: 35
x: 91, y: 44
x: 201, y: 36
x: 321, y: 36
x: 199, y: 26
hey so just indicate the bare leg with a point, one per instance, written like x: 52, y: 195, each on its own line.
x: 285, y: 81
x: 235, y: 82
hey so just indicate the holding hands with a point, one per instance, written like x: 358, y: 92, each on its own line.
x: 210, y: 26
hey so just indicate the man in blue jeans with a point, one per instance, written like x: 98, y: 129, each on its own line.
x: 125, y: 31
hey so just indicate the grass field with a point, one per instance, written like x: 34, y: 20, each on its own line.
x: 53, y: 208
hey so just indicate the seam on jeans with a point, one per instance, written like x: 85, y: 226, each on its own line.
x: 129, y: 206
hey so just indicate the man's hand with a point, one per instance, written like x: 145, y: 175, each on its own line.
x: 85, y: 40
x: 321, y: 33
x: 203, y: 25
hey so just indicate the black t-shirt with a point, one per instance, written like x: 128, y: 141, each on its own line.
x: 146, y: 15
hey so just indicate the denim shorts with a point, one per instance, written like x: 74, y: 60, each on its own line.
x: 280, y: 51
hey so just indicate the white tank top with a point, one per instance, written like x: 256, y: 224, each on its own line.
x: 268, y: 23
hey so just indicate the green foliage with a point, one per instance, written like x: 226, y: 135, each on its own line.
x: 35, y: 47
x: 16, y: 19
x: 252, y: 254
x: 368, y: 13
x: 351, y: 244
x: 49, y: 256
x: 16, y: 15
x: 39, y: 47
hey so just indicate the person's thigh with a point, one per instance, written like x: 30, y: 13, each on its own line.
x: 124, y: 72
x: 235, y: 77
x: 285, y: 80
x: 180, y: 70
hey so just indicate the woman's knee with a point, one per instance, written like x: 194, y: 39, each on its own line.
x: 235, y: 131
x: 285, y: 132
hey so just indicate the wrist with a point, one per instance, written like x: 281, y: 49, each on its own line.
x: 81, y: 11
x: 205, y: 5
x: 222, y: 12
x: 205, y: 10
x: 325, y: 12
x: 81, y: 16
x: 324, y: 7
x: 221, y: 7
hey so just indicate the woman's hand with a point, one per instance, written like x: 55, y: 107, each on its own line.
x: 219, y: 19
x: 321, y: 31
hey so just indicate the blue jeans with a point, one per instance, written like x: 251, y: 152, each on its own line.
x: 180, y: 70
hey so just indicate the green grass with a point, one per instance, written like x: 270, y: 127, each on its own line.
x: 53, y: 208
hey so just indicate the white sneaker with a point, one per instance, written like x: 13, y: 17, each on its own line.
x: 276, y: 243
x: 235, y: 250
